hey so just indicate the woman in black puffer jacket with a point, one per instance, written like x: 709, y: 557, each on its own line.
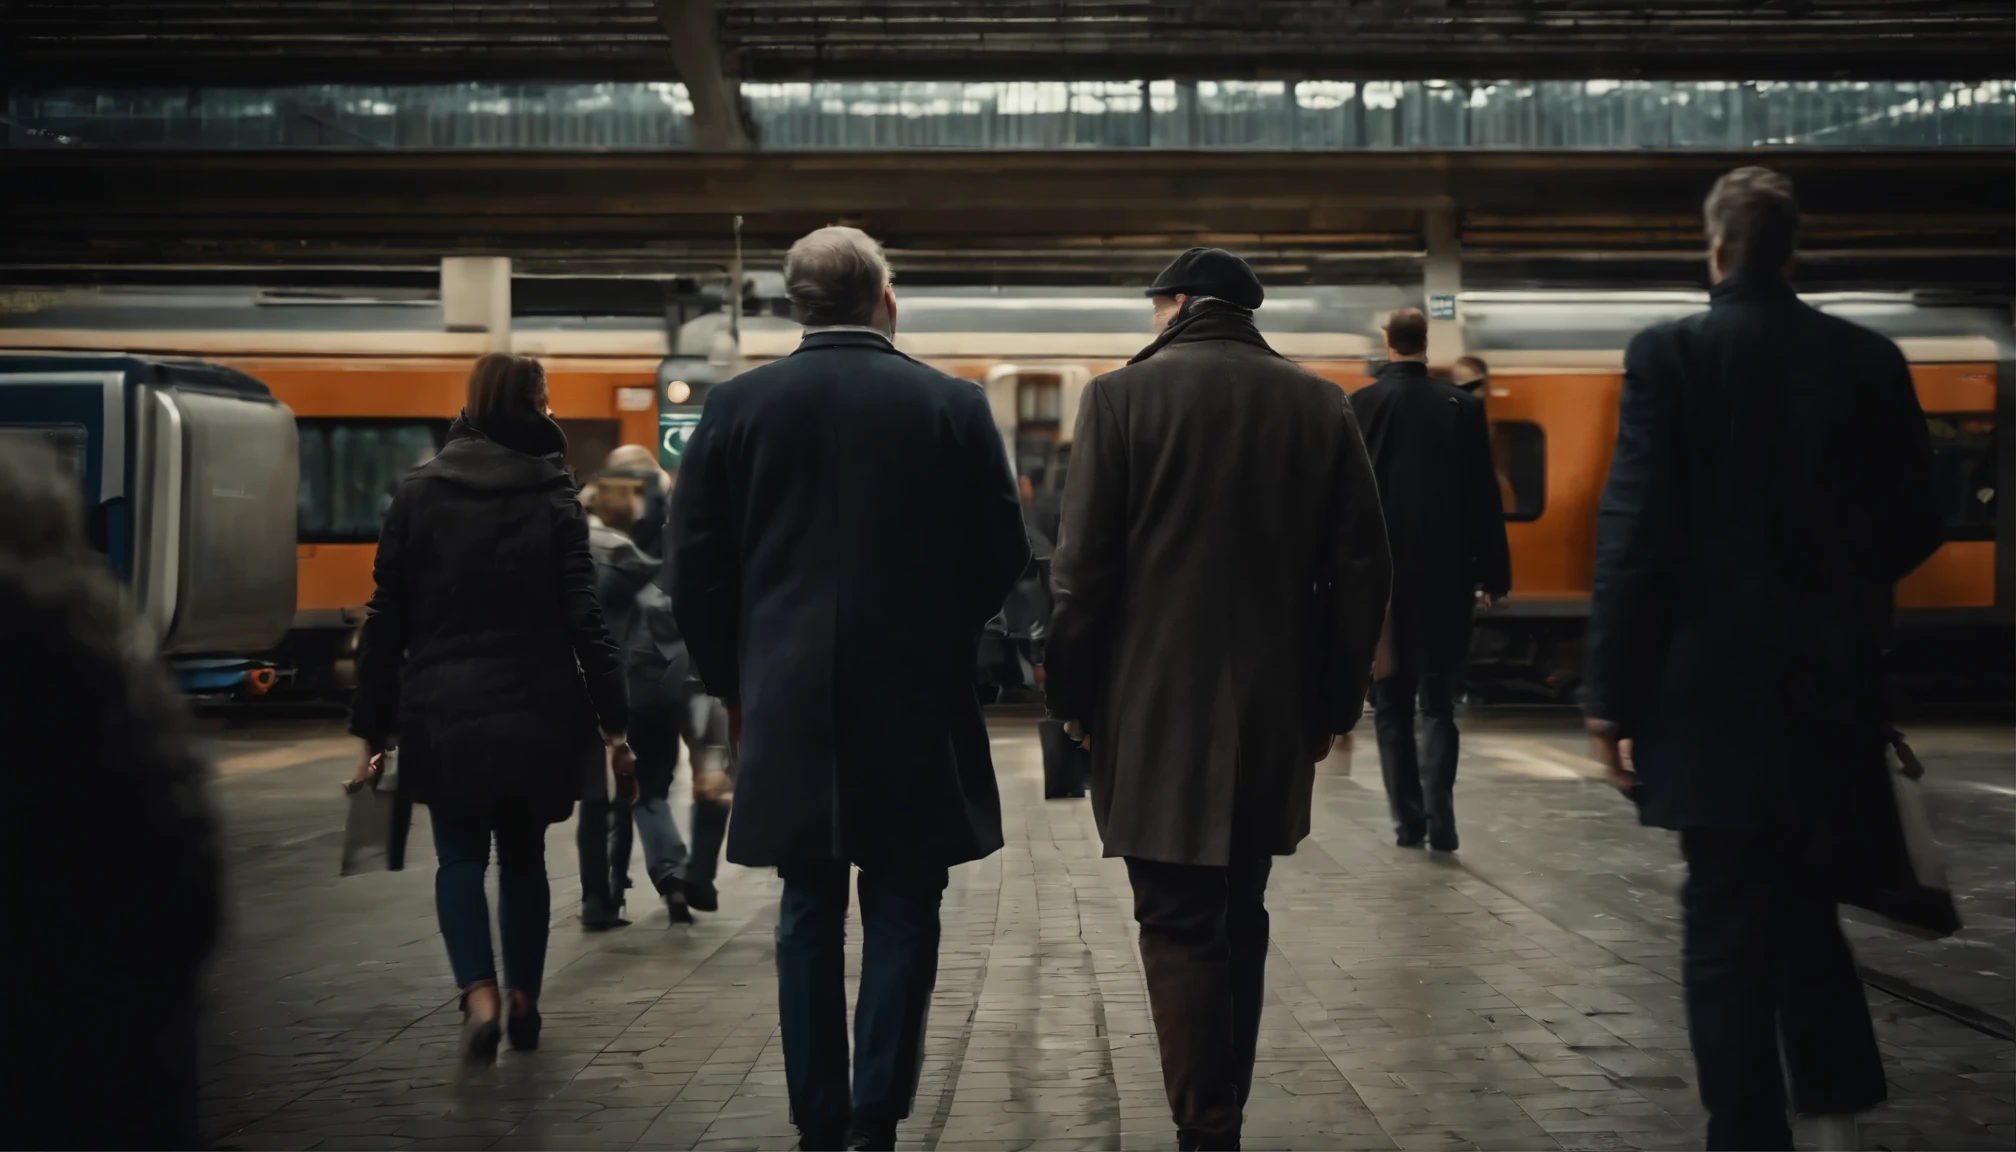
x: 486, y: 653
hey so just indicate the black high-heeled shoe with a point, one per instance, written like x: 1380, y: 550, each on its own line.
x: 523, y: 1027
x: 479, y: 1037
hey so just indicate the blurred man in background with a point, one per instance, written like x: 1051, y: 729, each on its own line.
x: 1446, y: 521
x: 1771, y: 483
x: 1473, y: 376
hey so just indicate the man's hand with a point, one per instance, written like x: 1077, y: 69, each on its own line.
x: 1078, y: 735
x: 734, y: 725
x: 1613, y: 752
x: 1321, y: 751
x: 622, y: 762
x: 1491, y: 602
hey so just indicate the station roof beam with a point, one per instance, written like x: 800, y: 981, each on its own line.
x: 271, y: 42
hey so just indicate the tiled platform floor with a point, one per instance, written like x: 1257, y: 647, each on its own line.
x: 1522, y: 997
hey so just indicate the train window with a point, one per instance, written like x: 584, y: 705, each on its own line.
x: 1039, y: 399
x: 349, y: 470
x: 1519, y: 456
x: 1963, y: 472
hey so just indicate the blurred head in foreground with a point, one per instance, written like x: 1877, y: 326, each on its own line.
x: 91, y: 721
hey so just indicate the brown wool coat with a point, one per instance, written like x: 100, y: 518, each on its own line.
x: 1220, y: 582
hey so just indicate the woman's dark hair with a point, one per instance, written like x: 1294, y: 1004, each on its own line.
x: 506, y: 392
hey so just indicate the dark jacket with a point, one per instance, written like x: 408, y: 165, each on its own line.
x: 1219, y: 585
x: 485, y: 648
x: 1771, y: 482
x: 637, y: 606
x: 844, y: 524
x: 1444, y: 517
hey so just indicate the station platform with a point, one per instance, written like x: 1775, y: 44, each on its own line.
x: 1523, y: 994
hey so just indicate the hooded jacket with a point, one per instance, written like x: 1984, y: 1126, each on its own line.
x: 485, y: 648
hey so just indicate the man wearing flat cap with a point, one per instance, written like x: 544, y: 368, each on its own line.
x: 1219, y: 584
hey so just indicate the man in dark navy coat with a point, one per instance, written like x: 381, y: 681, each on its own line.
x: 1432, y: 454
x: 1771, y: 483
x: 845, y: 524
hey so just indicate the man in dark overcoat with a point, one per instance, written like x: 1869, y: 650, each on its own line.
x: 844, y: 525
x: 1218, y: 589
x: 1432, y: 454
x: 1772, y: 480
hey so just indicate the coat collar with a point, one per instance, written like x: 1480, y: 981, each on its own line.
x: 1746, y: 285
x: 818, y: 338
x: 1207, y: 319
x: 1402, y: 370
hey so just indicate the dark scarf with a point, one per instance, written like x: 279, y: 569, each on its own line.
x: 1206, y: 318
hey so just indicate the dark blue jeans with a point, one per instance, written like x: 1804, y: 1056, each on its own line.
x: 462, y: 837
x: 899, y: 968
x: 603, y: 835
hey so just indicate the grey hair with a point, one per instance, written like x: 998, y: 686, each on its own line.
x: 1751, y: 213
x: 835, y: 276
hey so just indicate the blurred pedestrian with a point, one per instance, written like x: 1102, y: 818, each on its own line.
x: 626, y: 587
x: 662, y: 673
x: 636, y: 463
x: 1771, y: 483
x: 1218, y: 584
x: 1472, y: 375
x: 1445, y: 519
x: 103, y: 1026
x: 844, y: 525
x: 486, y: 654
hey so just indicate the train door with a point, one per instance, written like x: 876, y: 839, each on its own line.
x: 1035, y: 408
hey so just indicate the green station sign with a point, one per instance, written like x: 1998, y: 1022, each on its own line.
x: 675, y: 431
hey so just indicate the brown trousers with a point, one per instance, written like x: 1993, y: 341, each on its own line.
x: 1204, y: 945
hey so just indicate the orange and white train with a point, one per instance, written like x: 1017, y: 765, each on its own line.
x: 373, y: 386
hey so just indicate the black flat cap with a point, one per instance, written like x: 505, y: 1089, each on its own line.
x: 1210, y: 272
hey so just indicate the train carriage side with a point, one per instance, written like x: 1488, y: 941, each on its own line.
x: 1556, y: 373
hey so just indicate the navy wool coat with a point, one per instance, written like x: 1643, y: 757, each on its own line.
x: 844, y: 525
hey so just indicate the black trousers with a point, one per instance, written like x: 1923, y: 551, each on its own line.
x: 1420, y: 782
x: 1204, y: 947
x: 899, y: 970
x: 1772, y: 994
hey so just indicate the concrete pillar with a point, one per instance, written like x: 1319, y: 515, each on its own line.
x: 476, y: 297
x: 1441, y: 282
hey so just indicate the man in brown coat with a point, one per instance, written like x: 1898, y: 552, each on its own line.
x: 1219, y: 585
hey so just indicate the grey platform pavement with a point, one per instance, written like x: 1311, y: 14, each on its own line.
x: 1524, y: 996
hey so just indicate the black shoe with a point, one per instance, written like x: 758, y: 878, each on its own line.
x: 523, y: 1027
x: 602, y: 923
x: 1442, y: 843
x: 822, y: 1139
x: 871, y: 1136
x: 1409, y: 839
x: 675, y: 904
x: 701, y: 897
x: 1188, y: 1139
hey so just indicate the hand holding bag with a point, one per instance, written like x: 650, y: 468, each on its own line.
x: 1911, y: 893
